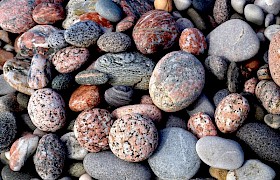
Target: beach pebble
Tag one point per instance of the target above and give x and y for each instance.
(200, 124)
(263, 73)
(136, 8)
(272, 6)
(39, 74)
(192, 41)
(219, 95)
(225, 41)
(196, 18)
(85, 177)
(250, 85)
(233, 77)
(118, 96)
(91, 77)
(252, 169)
(154, 31)
(273, 57)
(125, 24)
(9, 103)
(175, 157)
(219, 152)
(70, 59)
(176, 71)
(105, 165)
(73, 149)
(8, 174)
(56, 39)
(5, 56)
(46, 109)
(217, 65)
(271, 30)
(22, 149)
(133, 138)
(62, 82)
(92, 129)
(174, 120)
(146, 99)
(269, 20)
(165, 5)
(254, 14)
(238, 5)
(219, 174)
(85, 97)
(76, 169)
(109, 10)
(272, 120)
(148, 110)
(182, 4)
(114, 42)
(231, 112)
(8, 130)
(183, 23)
(221, 11)
(49, 157)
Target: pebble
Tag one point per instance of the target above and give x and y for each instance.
(127, 69)
(146, 99)
(203, 6)
(254, 14)
(221, 11)
(272, 120)
(249, 67)
(4, 36)
(46, 109)
(175, 121)
(73, 149)
(238, 5)
(22, 149)
(271, 30)
(200, 124)
(273, 57)
(268, 93)
(192, 41)
(114, 42)
(217, 65)
(105, 165)
(92, 129)
(118, 96)
(85, 97)
(182, 5)
(136, 8)
(219, 152)
(8, 174)
(155, 31)
(263, 140)
(183, 23)
(234, 40)
(175, 157)
(85, 177)
(56, 39)
(4, 56)
(126, 24)
(8, 130)
(62, 82)
(76, 169)
(231, 112)
(5, 87)
(109, 10)
(272, 6)
(39, 74)
(49, 157)
(219, 95)
(263, 73)
(16, 73)
(269, 20)
(91, 77)
(252, 169)
(176, 71)
(219, 174)
(165, 5)
(48, 13)
(233, 78)
(133, 138)
(250, 85)
(147, 110)
(196, 18)
(9, 103)
(70, 59)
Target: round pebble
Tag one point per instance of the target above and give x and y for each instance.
(182, 4)
(133, 138)
(254, 14)
(165, 5)
(238, 5)
(272, 120)
(271, 30)
(91, 77)
(8, 130)
(118, 96)
(221, 11)
(56, 39)
(114, 42)
(217, 65)
(109, 10)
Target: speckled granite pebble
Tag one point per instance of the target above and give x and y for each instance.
(46, 109)
(83, 34)
(273, 57)
(218, 66)
(91, 77)
(272, 120)
(118, 95)
(146, 99)
(56, 39)
(49, 157)
(133, 137)
(114, 42)
(92, 129)
(250, 85)
(125, 24)
(176, 71)
(8, 130)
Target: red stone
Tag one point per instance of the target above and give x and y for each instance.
(125, 24)
(95, 17)
(5, 56)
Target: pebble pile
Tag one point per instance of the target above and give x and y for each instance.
(139, 89)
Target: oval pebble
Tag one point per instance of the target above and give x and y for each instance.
(217, 65)
(233, 77)
(254, 14)
(221, 11)
(272, 120)
(126, 24)
(118, 95)
(238, 5)
(91, 77)
(133, 138)
(56, 39)
(114, 42)
(271, 30)
(8, 130)
(109, 10)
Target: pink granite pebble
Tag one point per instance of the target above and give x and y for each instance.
(46, 109)
(92, 129)
(126, 24)
(146, 99)
(200, 124)
(231, 113)
(133, 138)
(250, 85)
(273, 58)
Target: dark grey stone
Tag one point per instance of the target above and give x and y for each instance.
(9, 103)
(62, 82)
(8, 130)
(183, 23)
(176, 121)
(26, 119)
(118, 96)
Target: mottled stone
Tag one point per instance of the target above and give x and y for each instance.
(250, 85)
(133, 138)
(4, 36)
(183, 23)
(92, 129)
(127, 68)
(154, 31)
(8, 130)
(114, 42)
(219, 174)
(219, 152)
(46, 109)
(49, 157)
(175, 157)
(272, 6)
(5, 56)
(125, 24)
(263, 73)
(176, 71)
(109, 10)
(104, 24)
(76, 169)
(272, 120)
(165, 5)
(70, 59)
(56, 39)
(254, 14)
(86, 177)
(118, 96)
(234, 40)
(91, 77)
(273, 57)
(218, 66)
(62, 82)
(221, 11)
(84, 97)
(136, 7)
(233, 77)
(271, 30)
(182, 4)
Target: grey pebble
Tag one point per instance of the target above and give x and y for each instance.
(183, 23)
(217, 66)
(8, 130)
(182, 4)
(91, 77)
(269, 20)
(271, 30)
(238, 5)
(9, 103)
(22, 99)
(56, 39)
(114, 42)
(272, 6)
(5, 87)
(233, 77)
(62, 82)
(118, 96)
(254, 14)
(109, 10)
(220, 95)
(272, 120)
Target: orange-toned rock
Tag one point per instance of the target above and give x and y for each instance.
(105, 25)
(84, 97)
(165, 5)
(148, 110)
(4, 56)
(250, 66)
(274, 58)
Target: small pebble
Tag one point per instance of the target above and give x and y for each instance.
(182, 4)
(271, 30)
(272, 6)
(219, 174)
(146, 99)
(56, 39)
(76, 169)
(165, 5)
(233, 78)
(62, 82)
(221, 94)
(175, 121)
(217, 66)
(254, 14)
(118, 96)
(9, 103)
(250, 85)
(238, 5)
(109, 10)
(221, 11)
(263, 73)
(114, 42)
(272, 120)
(197, 19)
(183, 23)
(125, 24)
(85, 177)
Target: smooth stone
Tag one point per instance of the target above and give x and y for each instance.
(85, 177)
(272, 120)
(196, 18)
(183, 23)
(5, 86)
(221, 11)
(22, 99)
(8, 174)
(62, 82)
(254, 14)
(175, 121)
(76, 169)
(8, 130)
(73, 149)
(234, 40)
(165, 5)
(219, 174)
(238, 5)
(9, 103)
(105, 165)
(269, 20)
(91, 77)
(218, 66)
(118, 96)
(219, 152)
(272, 6)
(262, 139)
(56, 39)
(203, 6)
(114, 42)
(127, 68)
(273, 57)
(202, 104)
(252, 169)
(182, 5)
(109, 10)
(175, 157)
(271, 30)
(219, 95)
(233, 78)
